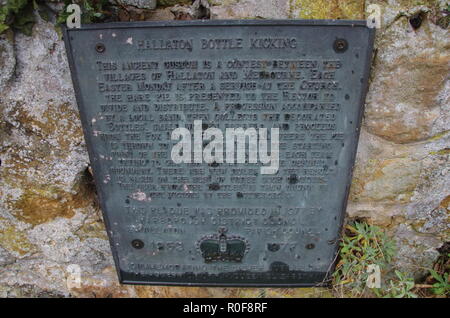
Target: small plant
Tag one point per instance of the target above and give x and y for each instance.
(442, 285)
(92, 11)
(437, 282)
(362, 245)
(400, 287)
(20, 14)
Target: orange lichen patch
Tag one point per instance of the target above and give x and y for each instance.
(412, 3)
(39, 204)
(390, 179)
(93, 227)
(313, 292)
(445, 204)
(327, 9)
(385, 215)
(13, 240)
(418, 87)
(102, 285)
(59, 122)
(105, 284)
(184, 292)
(403, 106)
(35, 166)
(49, 140)
(361, 175)
(20, 161)
(89, 289)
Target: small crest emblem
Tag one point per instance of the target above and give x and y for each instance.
(220, 247)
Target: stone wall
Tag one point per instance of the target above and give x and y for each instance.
(49, 217)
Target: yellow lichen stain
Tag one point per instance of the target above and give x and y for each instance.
(51, 138)
(223, 2)
(184, 292)
(364, 173)
(59, 122)
(13, 240)
(101, 285)
(438, 136)
(413, 3)
(202, 292)
(413, 79)
(445, 204)
(92, 228)
(92, 289)
(40, 203)
(378, 172)
(311, 292)
(169, 3)
(441, 152)
(327, 9)
(423, 83)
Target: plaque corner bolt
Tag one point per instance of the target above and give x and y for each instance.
(340, 45)
(137, 244)
(100, 47)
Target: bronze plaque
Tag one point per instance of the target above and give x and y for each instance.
(222, 151)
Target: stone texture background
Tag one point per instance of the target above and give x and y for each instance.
(49, 218)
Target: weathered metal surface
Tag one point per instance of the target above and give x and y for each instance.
(218, 223)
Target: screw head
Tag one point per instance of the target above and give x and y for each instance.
(310, 246)
(340, 45)
(100, 47)
(137, 244)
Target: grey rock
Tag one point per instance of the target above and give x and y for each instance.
(142, 4)
(7, 60)
(33, 278)
(201, 9)
(41, 87)
(416, 252)
(5, 257)
(269, 9)
(160, 15)
(409, 96)
(59, 243)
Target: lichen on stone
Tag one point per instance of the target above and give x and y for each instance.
(170, 3)
(13, 240)
(390, 179)
(41, 204)
(327, 9)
